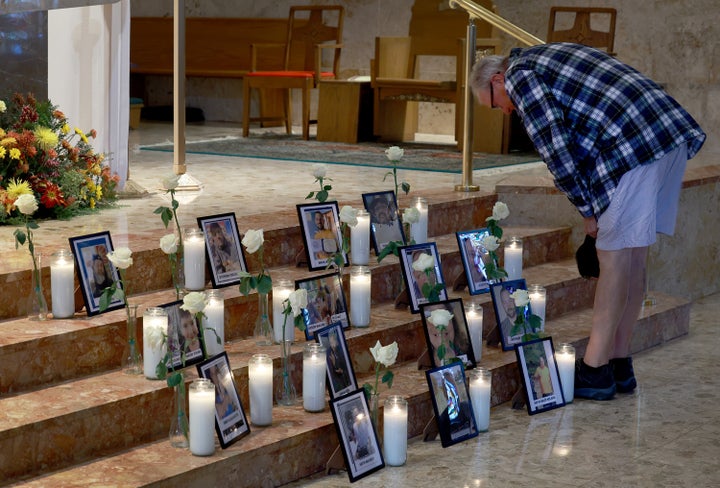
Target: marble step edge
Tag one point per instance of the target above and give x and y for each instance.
(315, 432)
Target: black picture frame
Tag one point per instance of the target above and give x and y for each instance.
(181, 352)
(230, 420)
(91, 262)
(385, 223)
(326, 303)
(474, 259)
(340, 373)
(543, 390)
(358, 439)
(456, 336)
(451, 402)
(415, 279)
(223, 250)
(320, 227)
(506, 312)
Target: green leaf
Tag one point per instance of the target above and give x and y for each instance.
(368, 390)
(245, 287)
(299, 322)
(388, 378)
(327, 187)
(106, 297)
(174, 379)
(441, 352)
(390, 248)
(19, 237)
(322, 196)
(32, 225)
(405, 187)
(264, 284)
(161, 370)
(310, 195)
(389, 173)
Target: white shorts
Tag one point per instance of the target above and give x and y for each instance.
(645, 202)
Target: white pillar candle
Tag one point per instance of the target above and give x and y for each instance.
(480, 394)
(360, 240)
(314, 373)
(419, 230)
(538, 299)
(214, 323)
(155, 326)
(565, 357)
(280, 292)
(360, 300)
(260, 386)
(202, 417)
(474, 317)
(514, 258)
(395, 425)
(62, 284)
(194, 259)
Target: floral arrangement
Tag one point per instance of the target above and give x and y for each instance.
(171, 244)
(319, 171)
(440, 318)
(426, 264)
(122, 259)
(384, 356)
(491, 242)
(27, 205)
(254, 242)
(348, 218)
(40, 152)
(527, 324)
(394, 155)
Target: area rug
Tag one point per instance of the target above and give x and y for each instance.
(418, 156)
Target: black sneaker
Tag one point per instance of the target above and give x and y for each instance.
(594, 383)
(624, 374)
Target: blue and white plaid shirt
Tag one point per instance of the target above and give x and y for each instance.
(593, 118)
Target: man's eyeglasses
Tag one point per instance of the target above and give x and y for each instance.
(492, 96)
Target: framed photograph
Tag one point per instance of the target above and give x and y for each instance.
(385, 223)
(326, 303)
(451, 343)
(94, 269)
(340, 374)
(451, 402)
(359, 442)
(506, 312)
(536, 362)
(230, 421)
(415, 280)
(185, 343)
(223, 249)
(475, 259)
(320, 224)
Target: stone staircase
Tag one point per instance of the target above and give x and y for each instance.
(69, 417)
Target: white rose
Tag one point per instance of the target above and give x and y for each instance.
(489, 242)
(349, 215)
(26, 204)
(121, 258)
(425, 261)
(385, 354)
(521, 297)
(171, 182)
(411, 215)
(394, 153)
(169, 243)
(3, 107)
(194, 302)
(440, 317)
(298, 301)
(319, 170)
(500, 211)
(253, 240)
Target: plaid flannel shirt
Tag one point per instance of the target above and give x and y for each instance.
(593, 118)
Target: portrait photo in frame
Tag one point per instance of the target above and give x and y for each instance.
(358, 440)
(536, 363)
(415, 280)
(320, 225)
(222, 248)
(475, 259)
(340, 373)
(385, 223)
(450, 344)
(325, 303)
(95, 271)
(451, 403)
(230, 421)
(185, 343)
(506, 312)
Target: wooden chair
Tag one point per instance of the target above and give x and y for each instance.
(311, 30)
(581, 31)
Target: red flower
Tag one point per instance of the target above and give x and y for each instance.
(50, 195)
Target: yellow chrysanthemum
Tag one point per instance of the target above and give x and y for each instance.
(2, 152)
(3, 107)
(15, 153)
(84, 138)
(46, 138)
(92, 202)
(8, 141)
(65, 129)
(2, 132)
(98, 192)
(78, 131)
(16, 188)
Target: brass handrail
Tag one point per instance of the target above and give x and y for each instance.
(477, 11)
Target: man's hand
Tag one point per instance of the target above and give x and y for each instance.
(591, 227)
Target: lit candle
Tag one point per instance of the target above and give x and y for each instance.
(214, 322)
(62, 284)
(194, 258)
(514, 258)
(538, 299)
(565, 357)
(260, 386)
(480, 392)
(395, 425)
(360, 285)
(474, 317)
(360, 239)
(419, 230)
(314, 372)
(280, 292)
(202, 417)
(155, 326)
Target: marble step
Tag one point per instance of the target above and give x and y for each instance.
(295, 445)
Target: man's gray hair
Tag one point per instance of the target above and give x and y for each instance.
(484, 69)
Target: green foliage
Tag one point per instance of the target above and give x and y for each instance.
(392, 247)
